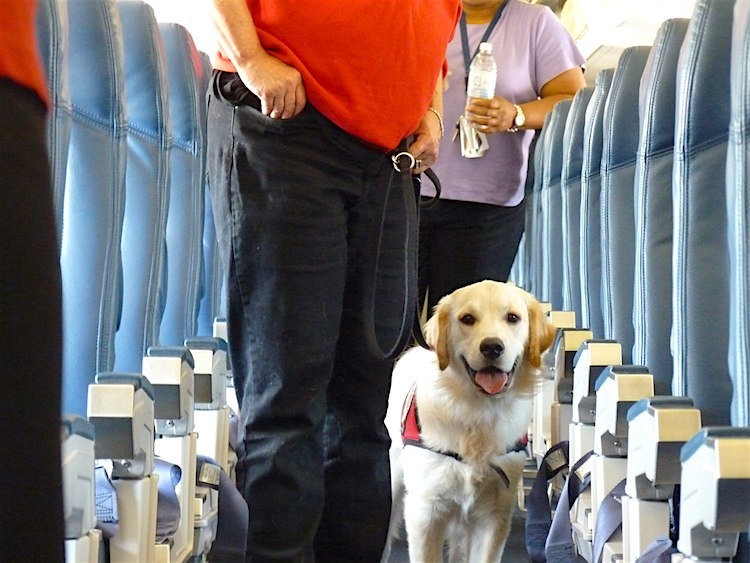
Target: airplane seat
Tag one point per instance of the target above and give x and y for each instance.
(121, 410)
(700, 287)
(549, 263)
(212, 299)
(551, 204)
(187, 88)
(620, 141)
(658, 427)
(570, 181)
(617, 389)
(146, 184)
(171, 372)
(82, 538)
(715, 485)
(52, 43)
(738, 207)
(94, 198)
(519, 270)
(590, 241)
(532, 229)
(652, 305)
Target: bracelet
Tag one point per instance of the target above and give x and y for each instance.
(440, 120)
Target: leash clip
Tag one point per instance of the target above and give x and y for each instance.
(396, 158)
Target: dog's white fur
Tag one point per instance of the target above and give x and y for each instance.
(465, 503)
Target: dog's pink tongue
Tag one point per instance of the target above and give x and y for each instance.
(492, 381)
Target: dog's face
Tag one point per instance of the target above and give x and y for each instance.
(491, 332)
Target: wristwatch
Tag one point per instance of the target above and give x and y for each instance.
(519, 120)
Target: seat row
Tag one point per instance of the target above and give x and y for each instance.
(636, 227)
(146, 423)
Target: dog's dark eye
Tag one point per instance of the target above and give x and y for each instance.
(512, 318)
(468, 319)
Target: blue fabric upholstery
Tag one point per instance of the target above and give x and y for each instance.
(570, 181)
(700, 298)
(738, 206)
(187, 88)
(147, 184)
(590, 253)
(620, 142)
(52, 43)
(212, 302)
(551, 202)
(94, 198)
(519, 272)
(532, 228)
(652, 305)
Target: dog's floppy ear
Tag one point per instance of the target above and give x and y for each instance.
(436, 333)
(541, 332)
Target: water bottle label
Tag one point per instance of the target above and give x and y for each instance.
(482, 84)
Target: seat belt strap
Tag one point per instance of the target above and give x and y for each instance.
(538, 510)
(608, 519)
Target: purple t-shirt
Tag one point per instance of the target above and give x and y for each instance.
(531, 47)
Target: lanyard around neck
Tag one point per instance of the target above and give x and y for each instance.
(465, 38)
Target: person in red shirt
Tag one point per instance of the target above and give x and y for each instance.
(308, 102)
(31, 523)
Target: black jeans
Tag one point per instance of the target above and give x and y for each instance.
(31, 313)
(462, 242)
(297, 203)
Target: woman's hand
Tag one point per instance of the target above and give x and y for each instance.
(491, 115)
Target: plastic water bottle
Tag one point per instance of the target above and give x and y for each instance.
(482, 74)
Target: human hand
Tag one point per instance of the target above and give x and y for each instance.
(278, 85)
(491, 115)
(426, 145)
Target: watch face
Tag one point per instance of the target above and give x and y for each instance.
(520, 117)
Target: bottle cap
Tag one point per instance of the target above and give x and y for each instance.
(485, 47)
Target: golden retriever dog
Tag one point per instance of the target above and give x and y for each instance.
(470, 400)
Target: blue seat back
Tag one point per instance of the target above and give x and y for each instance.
(212, 300)
(94, 198)
(551, 203)
(652, 304)
(532, 227)
(570, 182)
(738, 206)
(620, 142)
(147, 184)
(187, 90)
(700, 298)
(52, 42)
(519, 272)
(590, 253)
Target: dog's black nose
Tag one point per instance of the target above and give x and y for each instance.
(491, 348)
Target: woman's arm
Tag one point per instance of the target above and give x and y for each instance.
(497, 114)
(278, 85)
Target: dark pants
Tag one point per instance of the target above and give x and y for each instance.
(297, 203)
(462, 242)
(30, 309)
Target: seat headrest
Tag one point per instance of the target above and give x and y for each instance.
(145, 67)
(95, 63)
(187, 86)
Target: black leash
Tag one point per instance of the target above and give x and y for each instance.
(403, 163)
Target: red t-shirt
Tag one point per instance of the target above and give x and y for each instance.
(19, 59)
(368, 66)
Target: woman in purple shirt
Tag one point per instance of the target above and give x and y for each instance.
(473, 232)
